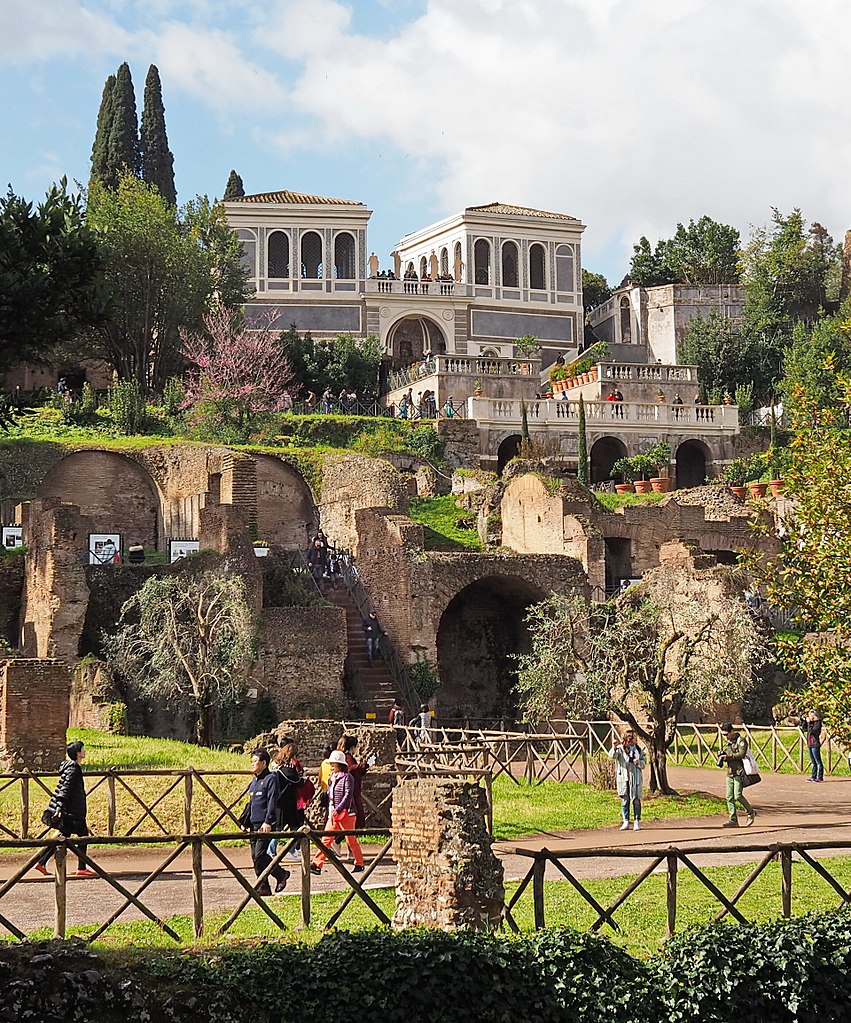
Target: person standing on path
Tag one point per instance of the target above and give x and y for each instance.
(630, 760)
(262, 814)
(732, 755)
(343, 817)
(68, 806)
(811, 727)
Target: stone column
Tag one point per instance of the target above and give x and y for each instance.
(448, 877)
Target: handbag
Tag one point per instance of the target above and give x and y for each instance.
(305, 792)
(752, 775)
(52, 818)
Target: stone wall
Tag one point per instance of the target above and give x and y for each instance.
(34, 706)
(353, 482)
(301, 656)
(461, 442)
(11, 594)
(447, 874)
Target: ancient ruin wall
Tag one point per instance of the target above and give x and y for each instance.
(353, 482)
(447, 876)
(34, 709)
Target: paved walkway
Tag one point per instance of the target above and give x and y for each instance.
(789, 809)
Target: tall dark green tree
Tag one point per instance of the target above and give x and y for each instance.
(100, 148)
(123, 152)
(582, 456)
(234, 189)
(50, 275)
(157, 161)
(702, 254)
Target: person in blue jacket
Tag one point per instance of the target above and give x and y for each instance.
(263, 796)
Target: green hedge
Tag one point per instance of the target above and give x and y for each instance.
(789, 971)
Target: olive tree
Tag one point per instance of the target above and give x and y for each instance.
(188, 639)
(643, 657)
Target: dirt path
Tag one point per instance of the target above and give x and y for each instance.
(789, 809)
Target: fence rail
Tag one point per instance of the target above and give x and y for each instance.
(176, 845)
(670, 859)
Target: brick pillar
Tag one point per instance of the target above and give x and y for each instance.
(447, 877)
(239, 486)
(35, 702)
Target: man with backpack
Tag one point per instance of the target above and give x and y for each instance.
(397, 718)
(733, 756)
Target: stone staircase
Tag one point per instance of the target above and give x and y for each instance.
(378, 690)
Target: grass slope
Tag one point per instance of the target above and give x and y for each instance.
(438, 517)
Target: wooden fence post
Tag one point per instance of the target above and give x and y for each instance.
(489, 797)
(60, 890)
(584, 766)
(530, 763)
(786, 882)
(111, 807)
(538, 870)
(197, 888)
(304, 849)
(187, 802)
(25, 806)
(671, 925)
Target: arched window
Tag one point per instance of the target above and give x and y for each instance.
(626, 321)
(537, 268)
(344, 257)
(249, 250)
(457, 262)
(510, 261)
(279, 255)
(565, 268)
(409, 269)
(482, 261)
(423, 267)
(444, 262)
(311, 256)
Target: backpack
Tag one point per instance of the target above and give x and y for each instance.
(305, 792)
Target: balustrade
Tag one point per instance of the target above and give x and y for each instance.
(615, 413)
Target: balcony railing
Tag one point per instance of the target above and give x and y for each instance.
(655, 373)
(413, 286)
(614, 414)
(460, 364)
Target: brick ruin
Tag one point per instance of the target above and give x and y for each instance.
(447, 876)
(34, 700)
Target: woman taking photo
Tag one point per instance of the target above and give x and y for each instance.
(630, 760)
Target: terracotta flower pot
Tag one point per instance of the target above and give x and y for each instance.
(740, 492)
(594, 372)
(777, 487)
(758, 489)
(642, 486)
(624, 488)
(660, 484)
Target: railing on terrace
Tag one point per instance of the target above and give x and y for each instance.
(425, 410)
(617, 414)
(477, 366)
(446, 288)
(654, 372)
(670, 860)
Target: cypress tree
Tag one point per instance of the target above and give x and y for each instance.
(582, 456)
(156, 158)
(524, 430)
(124, 133)
(234, 189)
(100, 148)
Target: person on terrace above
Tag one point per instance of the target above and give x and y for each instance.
(677, 400)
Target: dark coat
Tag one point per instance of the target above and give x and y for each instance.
(70, 794)
(289, 778)
(263, 798)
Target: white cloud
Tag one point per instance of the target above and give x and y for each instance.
(44, 29)
(631, 116)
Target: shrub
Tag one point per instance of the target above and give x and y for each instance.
(173, 394)
(424, 678)
(127, 406)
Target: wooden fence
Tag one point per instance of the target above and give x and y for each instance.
(221, 847)
(671, 859)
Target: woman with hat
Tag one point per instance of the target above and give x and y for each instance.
(342, 812)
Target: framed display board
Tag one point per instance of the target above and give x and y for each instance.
(104, 548)
(13, 536)
(178, 549)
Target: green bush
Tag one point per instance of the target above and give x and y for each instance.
(127, 405)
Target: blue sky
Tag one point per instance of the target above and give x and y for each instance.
(631, 116)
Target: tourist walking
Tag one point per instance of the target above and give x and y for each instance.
(423, 722)
(811, 727)
(67, 809)
(357, 769)
(372, 633)
(262, 816)
(630, 760)
(397, 718)
(291, 795)
(732, 756)
(342, 812)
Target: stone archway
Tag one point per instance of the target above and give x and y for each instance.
(479, 633)
(508, 449)
(693, 457)
(116, 493)
(604, 453)
(285, 507)
(410, 338)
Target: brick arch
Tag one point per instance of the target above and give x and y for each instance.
(286, 511)
(112, 490)
(693, 460)
(481, 630)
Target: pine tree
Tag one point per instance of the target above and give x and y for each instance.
(100, 148)
(124, 132)
(582, 457)
(234, 189)
(157, 162)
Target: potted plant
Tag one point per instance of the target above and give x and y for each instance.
(527, 347)
(735, 475)
(477, 389)
(642, 465)
(261, 548)
(660, 455)
(623, 468)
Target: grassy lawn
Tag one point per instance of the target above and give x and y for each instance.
(780, 752)
(611, 502)
(641, 919)
(521, 810)
(438, 516)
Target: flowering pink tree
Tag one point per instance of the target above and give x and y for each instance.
(240, 377)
